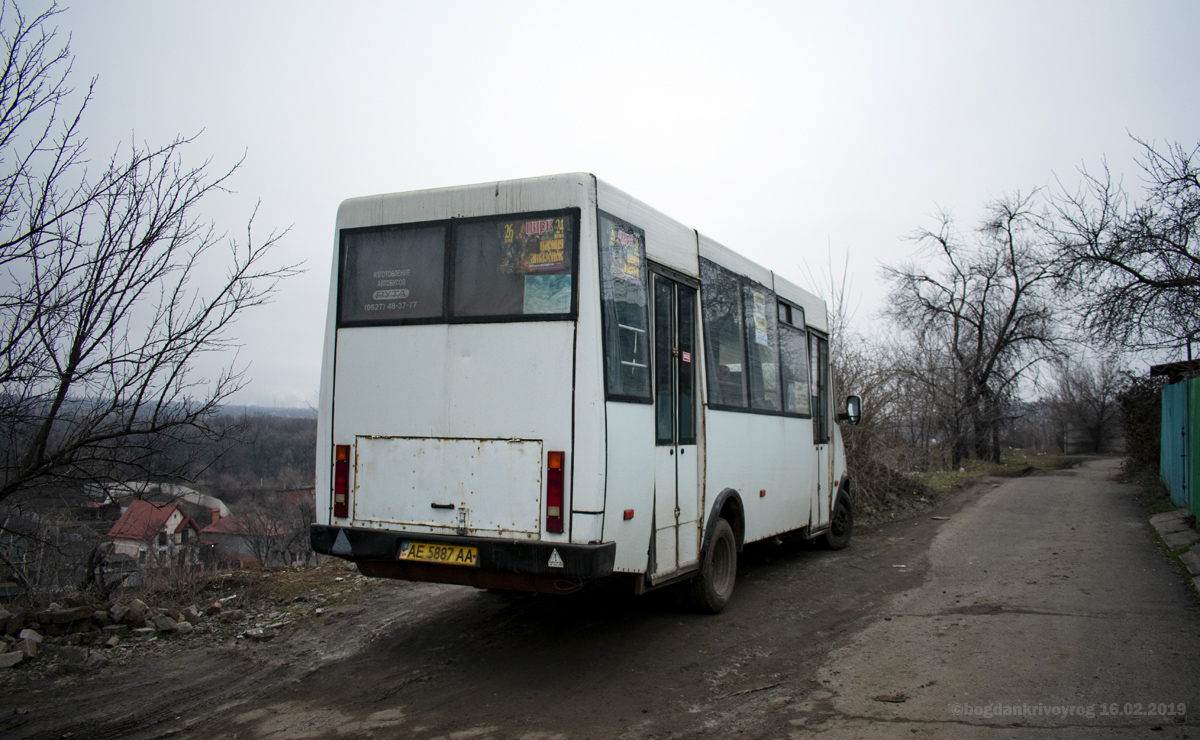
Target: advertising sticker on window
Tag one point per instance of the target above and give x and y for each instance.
(547, 294)
(760, 318)
(624, 249)
(533, 246)
(799, 397)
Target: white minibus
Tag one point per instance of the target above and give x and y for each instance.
(539, 383)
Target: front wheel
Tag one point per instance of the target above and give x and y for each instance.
(709, 591)
(841, 524)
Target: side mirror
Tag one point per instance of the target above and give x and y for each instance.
(853, 410)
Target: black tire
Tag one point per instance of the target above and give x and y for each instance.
(709, 591)
(841, 524)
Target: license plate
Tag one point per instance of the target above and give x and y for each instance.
(428, 552)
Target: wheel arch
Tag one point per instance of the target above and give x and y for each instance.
(728, 506)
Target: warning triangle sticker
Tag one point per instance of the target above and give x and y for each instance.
(341, 546)
(555, 560)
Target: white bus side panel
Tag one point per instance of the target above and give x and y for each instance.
(324, 477)
(751, 453)
(630, 484)
(731, 260)
(668, 242)
(587, 502)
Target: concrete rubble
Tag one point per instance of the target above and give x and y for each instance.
(164, 623)
(79, 632)
(88, 632)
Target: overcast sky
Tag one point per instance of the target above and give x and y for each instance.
(787, 131)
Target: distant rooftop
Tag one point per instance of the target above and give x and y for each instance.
(143, 520)
(1176, 371)
(172, 491)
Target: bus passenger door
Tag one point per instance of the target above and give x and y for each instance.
(677, 465)
(818, 348)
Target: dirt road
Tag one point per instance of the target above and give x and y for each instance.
(1041, 607)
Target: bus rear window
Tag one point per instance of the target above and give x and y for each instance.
(507, 268)
(392, 274)
(513, 267)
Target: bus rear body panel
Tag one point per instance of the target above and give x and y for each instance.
(489, 487)
(455, 416)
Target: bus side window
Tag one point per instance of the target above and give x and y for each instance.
(724, 345)
(762, 334)
(625, 309)
(793, 355)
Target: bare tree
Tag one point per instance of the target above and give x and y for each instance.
(1135, 267)
(262, 537)
(857, 367)
(979, 321)
(1039, 427)
(1141, 416)
(1085, 399)
(107, 290)
(295, 520)
(881, 452)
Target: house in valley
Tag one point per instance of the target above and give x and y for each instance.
(156, 535)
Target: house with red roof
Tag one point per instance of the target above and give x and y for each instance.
(155, 534)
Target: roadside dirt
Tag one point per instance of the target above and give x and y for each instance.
(432, 661)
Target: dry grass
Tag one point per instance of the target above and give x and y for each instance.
(894, 494)
(332, 584)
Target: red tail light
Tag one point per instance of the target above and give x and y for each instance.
(554, 492)
(341, 481)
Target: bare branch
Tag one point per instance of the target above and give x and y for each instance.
(107, 295)
(979, 315)
(1134, 268)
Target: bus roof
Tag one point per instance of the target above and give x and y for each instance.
(668, 241)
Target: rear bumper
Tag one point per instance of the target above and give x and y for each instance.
(377, 550)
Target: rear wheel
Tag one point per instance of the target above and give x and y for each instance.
(841, 524)
(709, 591)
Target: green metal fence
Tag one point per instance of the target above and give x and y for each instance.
(1179, 459)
